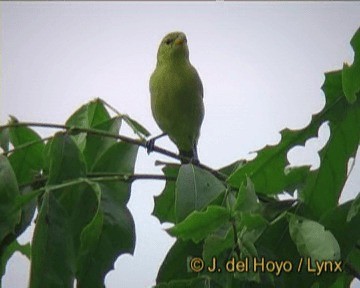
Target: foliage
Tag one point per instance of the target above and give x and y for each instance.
(76, 185)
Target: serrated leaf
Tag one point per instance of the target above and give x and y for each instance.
(267, 170)
(164, 208)
(26, 162)
(324, 185)
(195, 189)
(52, 260)
(87, 116)
(198, 225)
(112, 230)
(312, 240)
(351, 73)
(9, 193)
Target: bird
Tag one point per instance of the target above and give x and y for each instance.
(176, 94)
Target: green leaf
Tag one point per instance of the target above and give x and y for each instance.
(275, 244)
(4, 139)
(231, 168)
(201, 282)
(198, 225)
(176, 263)
(351, 74)
(66, 160)
(96, 145)
(120, 159)
(111, 232)
(267, 170)
(87, 116)
(344, 231)
(354, 208)
(195, 189)
(135, 126)
(164, 208)
(26, 162)
(323, 186)
(312, 240)
(9, 251)
(9, 193)
(247, 200)
(217, 243)
(52, 255)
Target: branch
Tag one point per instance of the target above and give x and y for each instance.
(107, 177)
(141, 143)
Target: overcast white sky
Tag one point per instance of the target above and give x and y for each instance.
(261, 64)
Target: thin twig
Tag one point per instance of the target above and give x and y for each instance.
(141, 143)
(28, 144)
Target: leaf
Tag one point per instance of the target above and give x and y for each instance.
(9, 251)
(267, 170)
(52, 261)
(164, 208)
(231, 168)
(323, 187)
(66, 160)
(26, 162)
(96, 145)
(4, 139)
(111, 232)
(217, 243)
(351, 74)
(195, 189)
(312, 240)
(9, 193)
(247, 200)
(176, 263)
(135, 126)
(344, 231)
(87, 116)
(201, 282)
(276, 244)
(120, 159)
(198, 225)
(354, 208)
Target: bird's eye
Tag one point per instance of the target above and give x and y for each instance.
(167, 41)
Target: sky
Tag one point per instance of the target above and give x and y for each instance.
(262, 65)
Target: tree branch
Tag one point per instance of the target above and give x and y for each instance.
(141, 143)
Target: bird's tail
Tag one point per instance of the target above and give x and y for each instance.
(191, 154)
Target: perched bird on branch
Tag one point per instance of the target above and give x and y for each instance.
(177, 96)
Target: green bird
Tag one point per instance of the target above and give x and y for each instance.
(177, 95)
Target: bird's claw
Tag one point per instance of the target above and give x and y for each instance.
(150, 145)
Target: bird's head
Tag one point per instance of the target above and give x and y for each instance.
(173, 47)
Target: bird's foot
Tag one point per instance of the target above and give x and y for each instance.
(150, 145)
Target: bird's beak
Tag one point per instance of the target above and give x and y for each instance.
(179, 41)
